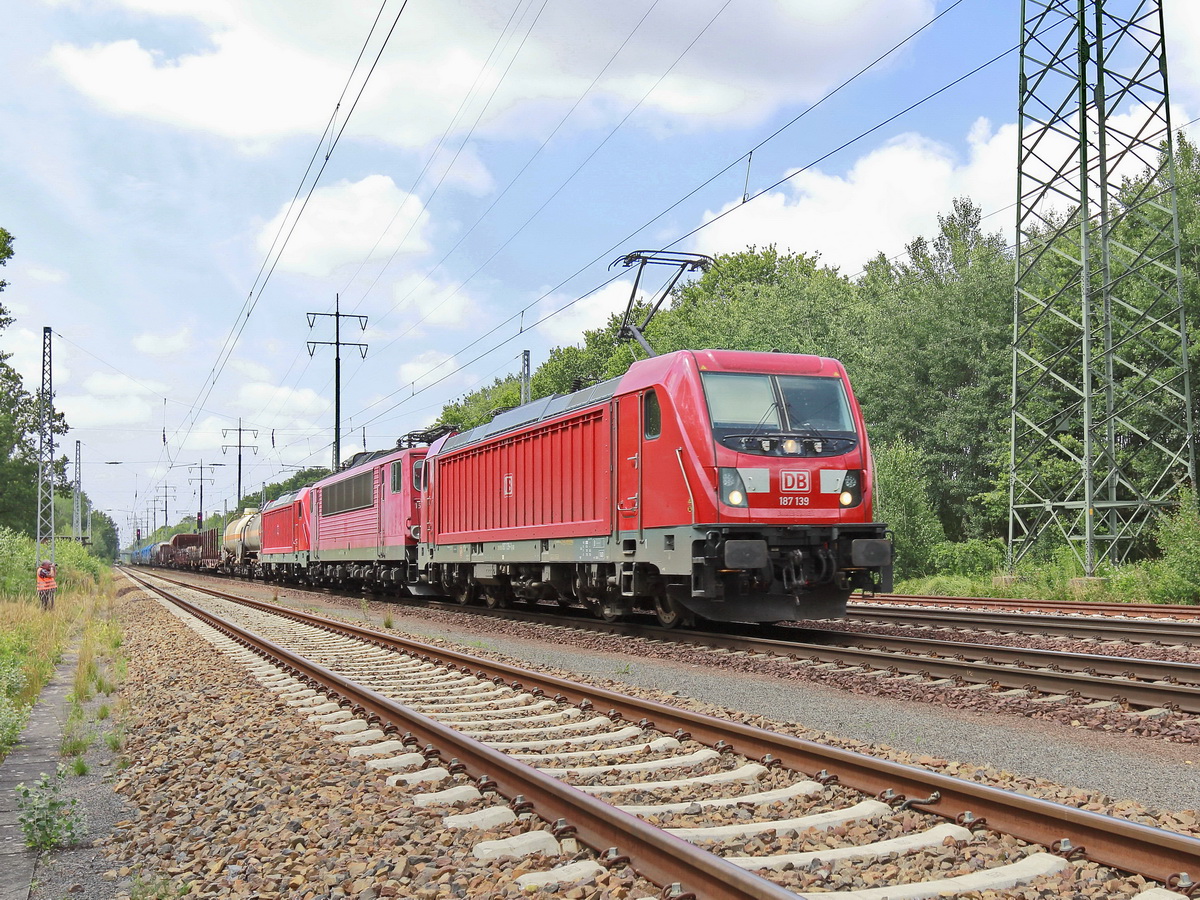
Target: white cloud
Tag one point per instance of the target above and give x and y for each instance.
(117, 384)
(269, 71)
(888, 197)
(25, 345)
(46, 274)
(593, 311)
(1182, 24)
(248, 88)
(432, 304)
(349, 222)
(164, 344)
(103, 411)
(279, 399)
(251, 369)
(426, 368)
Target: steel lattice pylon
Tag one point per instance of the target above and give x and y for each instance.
(45, 511)
(1101, 436)
(77, 508)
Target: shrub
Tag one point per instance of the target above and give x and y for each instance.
(902, 500)
(13, 716)
(47, 820)
(973, 558)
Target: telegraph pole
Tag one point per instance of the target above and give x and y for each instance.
(45, 513)
(164, 497)
(337, 345)
(201, 479)
(239, 445)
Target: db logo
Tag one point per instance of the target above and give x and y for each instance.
(508, 485)
(796, 482)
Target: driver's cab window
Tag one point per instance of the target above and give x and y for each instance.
(651, 415)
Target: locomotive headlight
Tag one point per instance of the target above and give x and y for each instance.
(852, 488)
(732, 488)
(791, 446)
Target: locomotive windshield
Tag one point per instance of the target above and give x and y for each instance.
(779, 415)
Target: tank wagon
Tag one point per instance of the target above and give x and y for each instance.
(241, 543)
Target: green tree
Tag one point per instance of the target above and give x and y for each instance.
(903, 502)
(762, 300)
(936, 363)
(19, 433)
(481, 405)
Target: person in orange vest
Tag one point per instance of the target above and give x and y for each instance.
(46, 584)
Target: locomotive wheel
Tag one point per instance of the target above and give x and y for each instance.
(464, 593)
(609, 612)
(495, 597)
(670, 613)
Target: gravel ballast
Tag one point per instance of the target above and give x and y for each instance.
(186, 803)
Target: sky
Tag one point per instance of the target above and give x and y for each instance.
(187, 180)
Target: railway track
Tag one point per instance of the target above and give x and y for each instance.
(696, 804)
(1047, 674)
(1096, 627)
(1081, 607)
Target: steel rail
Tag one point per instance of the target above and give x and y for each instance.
(1099, 608)
(1130, 846)
(1113, 677)
(1149, 684)
(652, 852)
(1146, 683)
(1034, 623)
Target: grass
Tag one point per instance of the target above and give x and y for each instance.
(32, 644)
(114, 740)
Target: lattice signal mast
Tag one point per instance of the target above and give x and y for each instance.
(45, 510)
(1102, 430)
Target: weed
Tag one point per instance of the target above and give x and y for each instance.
(13, 716)
(388, 621)
(79, 766)
(624, 669)
(155, 889)
(113, 740)
(47, 820)
(75, 743)
(103, 712)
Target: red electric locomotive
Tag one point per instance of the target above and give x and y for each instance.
(285, 535)
(357, 526)
(731, 485)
